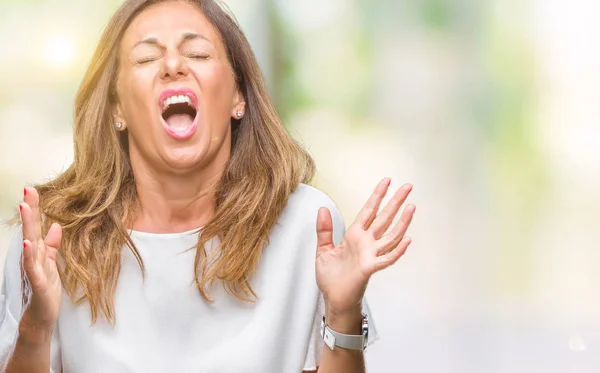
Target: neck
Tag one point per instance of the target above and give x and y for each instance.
(172, 203)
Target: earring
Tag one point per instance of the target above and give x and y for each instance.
(239, 114)
(119, 125)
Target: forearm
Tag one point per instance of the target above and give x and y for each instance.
(32, 350)
(341, 360)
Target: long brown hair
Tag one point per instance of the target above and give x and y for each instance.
(92, 198)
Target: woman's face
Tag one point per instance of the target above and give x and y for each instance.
(176, 90)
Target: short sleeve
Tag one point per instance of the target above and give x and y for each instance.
(11, 298)
(315, 344)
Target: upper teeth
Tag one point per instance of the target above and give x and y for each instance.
(176, 100)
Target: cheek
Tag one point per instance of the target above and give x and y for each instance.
(218, 86)
(134, 94)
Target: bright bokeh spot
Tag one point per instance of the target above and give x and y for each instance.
(60, 50)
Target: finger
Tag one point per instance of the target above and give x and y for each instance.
(383, 221)
(30, 264)
(52, 240)
(369, 211)
(324, 230)
(391, 240)
(32, 198)
(28, 226)
(392, 257)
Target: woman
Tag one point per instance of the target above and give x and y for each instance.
(182, 238)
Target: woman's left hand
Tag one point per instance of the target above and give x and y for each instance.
(343, 271)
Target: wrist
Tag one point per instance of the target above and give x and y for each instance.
(32, 334)
(347, 322)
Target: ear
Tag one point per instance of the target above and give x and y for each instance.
(118, 120)
(238, 106)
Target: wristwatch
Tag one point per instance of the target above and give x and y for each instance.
(347, 341)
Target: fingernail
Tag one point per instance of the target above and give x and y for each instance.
(24, 244)
(24, 192)
(20, 208)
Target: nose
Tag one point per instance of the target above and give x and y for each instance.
(174, 67)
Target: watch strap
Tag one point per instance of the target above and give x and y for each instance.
(347, 341)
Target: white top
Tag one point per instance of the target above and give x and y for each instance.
(164, 325)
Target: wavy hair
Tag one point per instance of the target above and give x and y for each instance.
(93, 199)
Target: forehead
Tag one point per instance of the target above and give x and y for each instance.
(169, 20)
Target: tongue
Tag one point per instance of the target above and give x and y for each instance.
(179, 122)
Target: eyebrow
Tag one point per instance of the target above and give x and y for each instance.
(185, 37)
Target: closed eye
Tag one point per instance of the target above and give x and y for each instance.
(198, 56)
(145, 60)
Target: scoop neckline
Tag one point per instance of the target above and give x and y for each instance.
(133, 232)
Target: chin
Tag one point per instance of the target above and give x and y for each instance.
(186, 160)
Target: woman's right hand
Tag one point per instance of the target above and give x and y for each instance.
(39, 262)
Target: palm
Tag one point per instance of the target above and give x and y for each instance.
(343, 271)
(39, 262)
(46, 290)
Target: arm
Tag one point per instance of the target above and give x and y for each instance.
(32, 347)
(32, 350)
(344, 270)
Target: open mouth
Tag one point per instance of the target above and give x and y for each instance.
(179, 113)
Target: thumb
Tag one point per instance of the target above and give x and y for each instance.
(324, 230)
(53, 239)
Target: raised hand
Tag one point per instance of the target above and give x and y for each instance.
(343, 271)
(39, 262)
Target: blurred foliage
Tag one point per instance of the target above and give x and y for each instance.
(518, 174)
(436, 14)
(360, 100)
(344, 80)
(287, 93)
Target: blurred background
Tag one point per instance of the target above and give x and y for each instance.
(490, 108)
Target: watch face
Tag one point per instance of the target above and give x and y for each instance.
(365, 331)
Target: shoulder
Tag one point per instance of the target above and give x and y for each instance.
(302, 208)
(308, 199)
